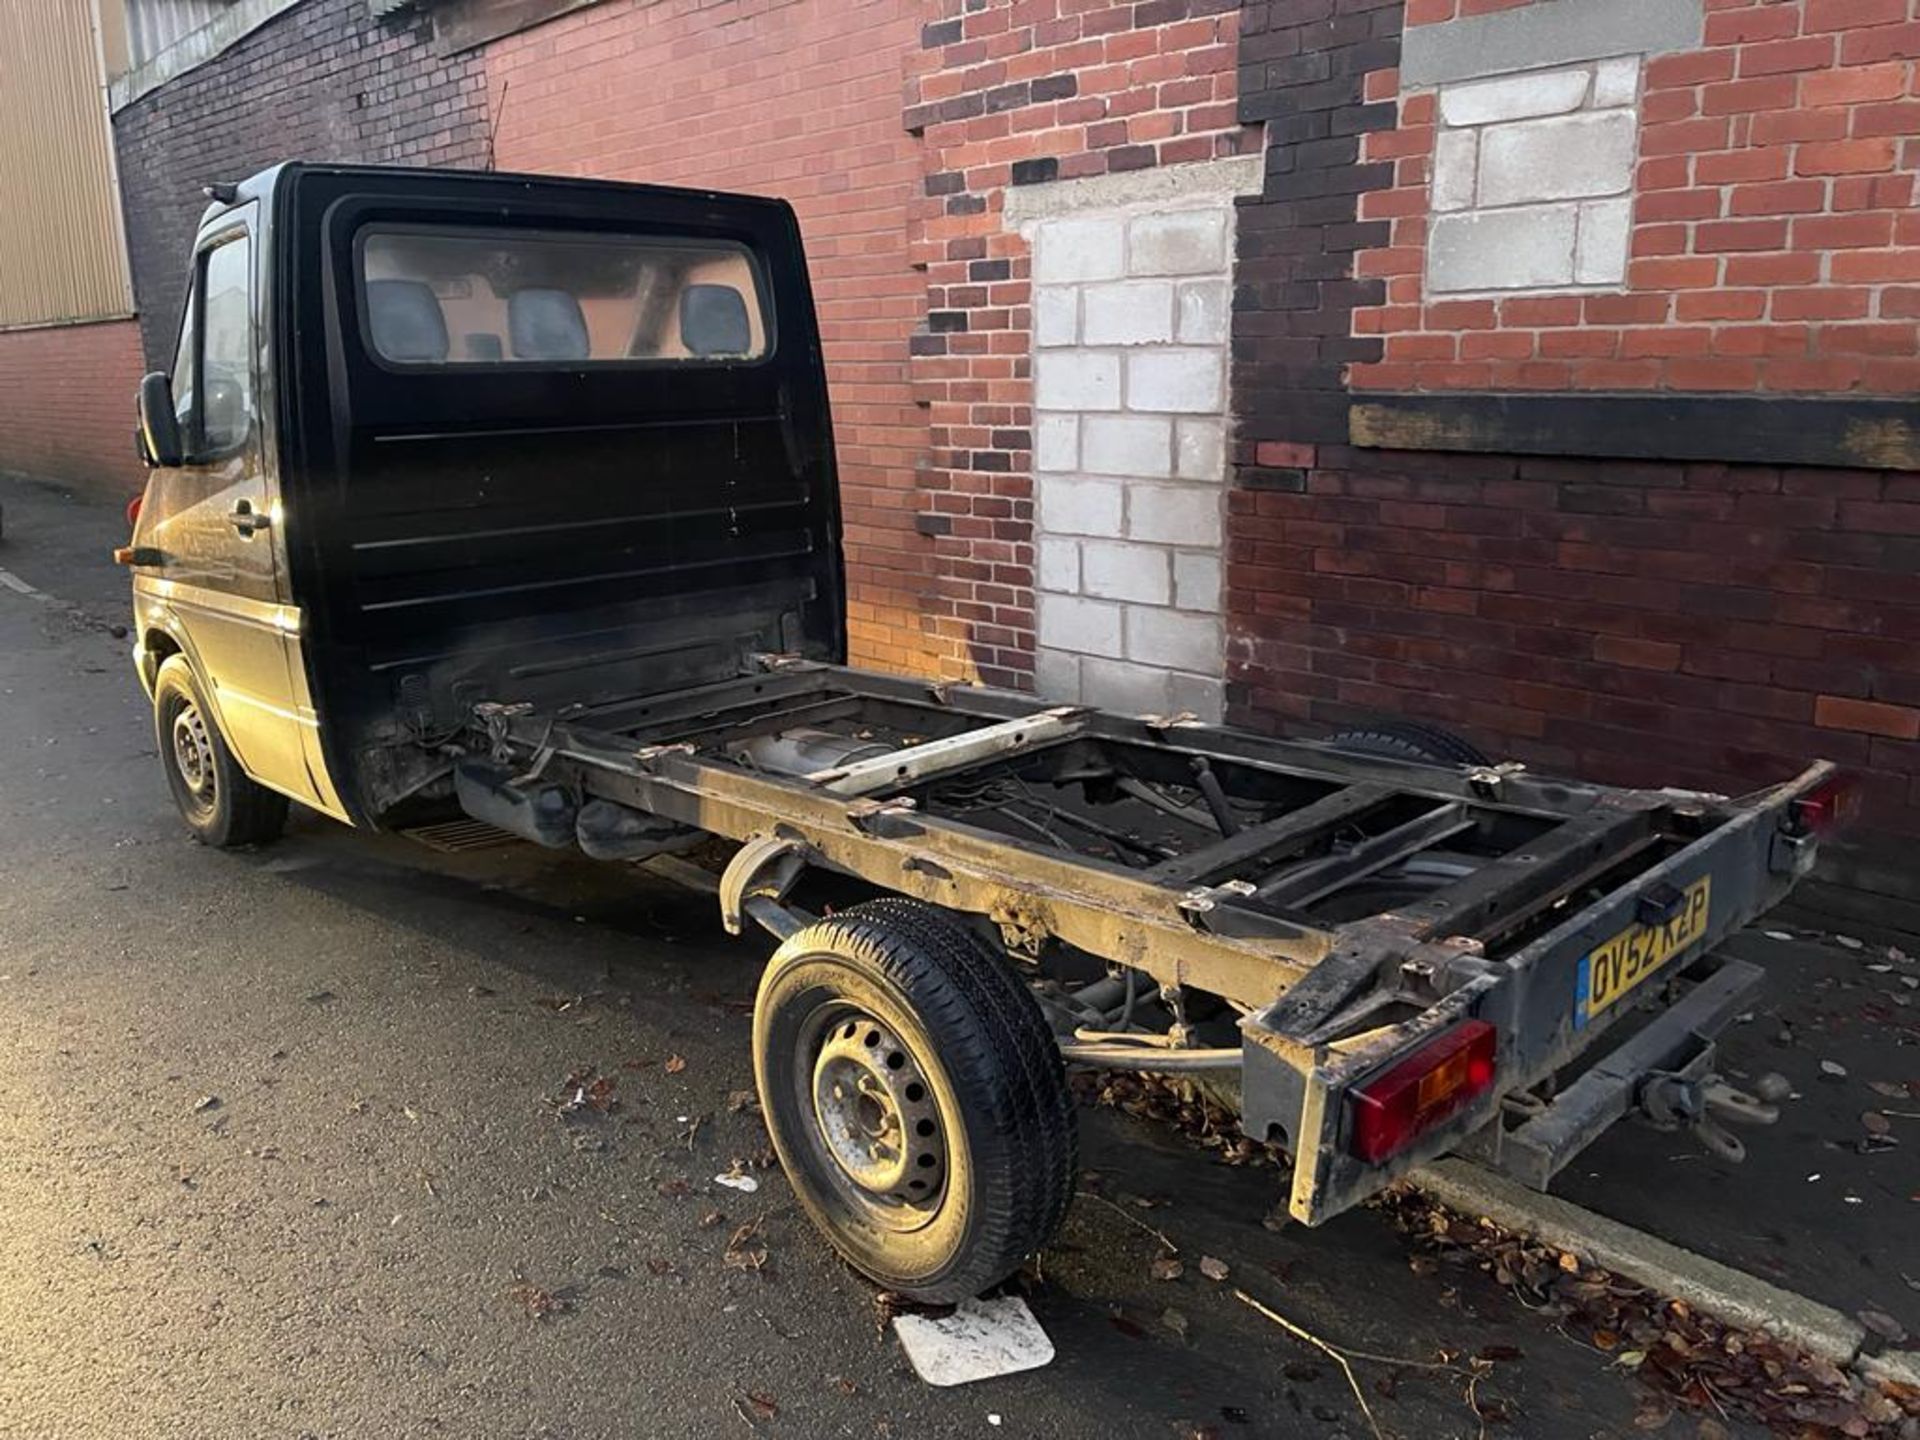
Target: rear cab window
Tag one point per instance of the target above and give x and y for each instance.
(446, 296)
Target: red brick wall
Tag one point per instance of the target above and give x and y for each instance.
(922, 291)
(1706, 625)
(1775, 246)
(69, 408)
(1014, 93)
(795, 98)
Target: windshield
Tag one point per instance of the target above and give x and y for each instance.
(446, 296)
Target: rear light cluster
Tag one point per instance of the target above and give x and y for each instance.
(1435, 1082)
(1827, 806)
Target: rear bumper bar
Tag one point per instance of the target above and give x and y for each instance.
(1302, 1063)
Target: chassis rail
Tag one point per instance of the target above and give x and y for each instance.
(1327, 1003)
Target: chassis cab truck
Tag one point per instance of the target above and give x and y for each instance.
(518, 494)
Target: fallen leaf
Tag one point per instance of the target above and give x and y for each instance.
(1174, 1321)
(762, 1404)
(675, 1064)
(1847, 942)
(206, 1102)
(1166, 1267)
(1213, 1269)
(1891, 1089)
(1874, 1123)
(1882, 1324)
(1833, 1070)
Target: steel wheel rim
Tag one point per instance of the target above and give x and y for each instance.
(193, 755)
(881, 1139)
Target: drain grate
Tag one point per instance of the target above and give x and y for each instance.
(456, 837)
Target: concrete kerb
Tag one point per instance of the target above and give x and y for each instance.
(1705, 1284)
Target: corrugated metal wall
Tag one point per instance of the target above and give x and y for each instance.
(62, 256)
(153, 25)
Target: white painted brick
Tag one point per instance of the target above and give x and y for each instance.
(1180, 642)
(1193, 242)
(1132, 312)
(1617, 82)
(1056, 314)
(1073, 506)
(1056, 440)
(1196, 581)
(1513, 97)
(1204, 697)
(1056, 674)
(1525, 249)
(1174, 514)
(1076, 380)
(1129, 689)
(1203, 312)
(1058, 564)
(1127, 445)
(1181, 380)
(1080, 249)
(1454, 158)
(1573, 156)
(1087, 627)
(1123, 570)
(1601, 257)
(1200, 448)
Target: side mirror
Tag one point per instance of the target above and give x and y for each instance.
(159, 426)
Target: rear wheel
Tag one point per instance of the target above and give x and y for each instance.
(221, 805)
(916, 1098)
(1410, 740)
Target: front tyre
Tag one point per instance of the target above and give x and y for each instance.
(916, 1099)
(221, 805)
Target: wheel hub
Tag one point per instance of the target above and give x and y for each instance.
(193, 751)
(876, 1113)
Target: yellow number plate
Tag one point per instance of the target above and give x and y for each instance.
(1611, 970)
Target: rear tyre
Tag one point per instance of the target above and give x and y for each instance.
(916, 1099)
(221, 805)
(1410, 740)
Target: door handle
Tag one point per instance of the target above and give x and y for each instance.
(246, 519)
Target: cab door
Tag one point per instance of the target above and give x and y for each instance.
(221, 583)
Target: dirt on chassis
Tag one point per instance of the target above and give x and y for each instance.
(1402, 956)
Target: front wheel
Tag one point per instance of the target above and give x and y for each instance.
(916, 1099)
(220, 803)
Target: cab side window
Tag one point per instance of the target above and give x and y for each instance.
(224, 363)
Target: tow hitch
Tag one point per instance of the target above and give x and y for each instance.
(1704, 1105)
(1663, 1075)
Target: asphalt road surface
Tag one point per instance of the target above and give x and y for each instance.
(282, 1153)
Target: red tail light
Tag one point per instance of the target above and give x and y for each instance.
(1436, 1081)
(1827, 806)
(133, 509)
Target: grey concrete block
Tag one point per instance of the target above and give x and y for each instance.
(1128, 312)
(1514, 97)
(1128, 688)
(1125, 570)
(1079, 249)
(1560, 159)
(1529, 248)
(1076, 380)
(1072, 505)
(1191, 242)
(1127, 445)
(1086, 627)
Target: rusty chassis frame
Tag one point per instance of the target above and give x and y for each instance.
(1326, 1005)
